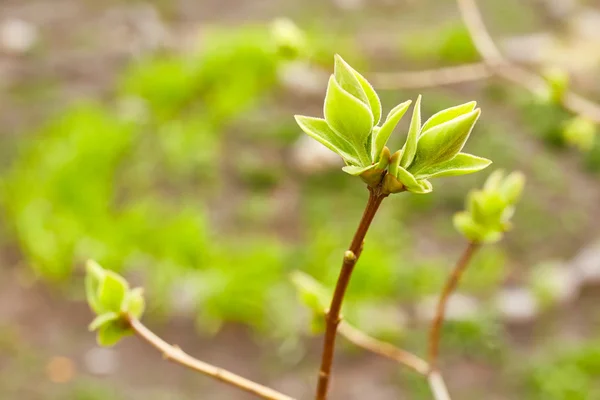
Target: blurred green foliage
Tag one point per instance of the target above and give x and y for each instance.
(566, 373)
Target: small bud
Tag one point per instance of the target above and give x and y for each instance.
(349, 256)
(110, 297)
(488, 211)
(558, 84)
(289, 39)
(580, 132)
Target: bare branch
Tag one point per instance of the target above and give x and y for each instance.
(451, 284)
(431, 77)
(176, 355)
(384, 349)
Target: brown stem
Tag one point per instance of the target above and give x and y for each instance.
(175, 354)
(451, 283)
(384, 349)
(332, 317)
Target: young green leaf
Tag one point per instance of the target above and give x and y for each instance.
(134, 303)
(109, 334)
(372, 96)
(318, 129)
(465, 225)
(349, 117)
(461, 164)
(512, 187)
(355, 170)
(494, 181)
(442, 142)
(93, 279)
(102, 320)
(112, 292)
(407, 179)
(410, 147)
(346, 77)
(383, 134)
(447, 115)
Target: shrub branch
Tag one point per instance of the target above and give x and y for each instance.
(332, 317)
(178, 356)
(451, 284)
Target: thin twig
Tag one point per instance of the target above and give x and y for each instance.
(504, 68)
(431, 77)
(175, 354)
(438, 386)
(450, 286)
(495, 64)
(383, 349)
(332, 318)
(479, 34)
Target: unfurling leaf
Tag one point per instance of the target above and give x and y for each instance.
(461, 164)
(442, 142)
(512, 187)
(447, 115)
(113, 302)
(345, 76)
(318, 129)
(109, 334)
(410, 147)
(489, 210)
(348, 117)
(383, 133)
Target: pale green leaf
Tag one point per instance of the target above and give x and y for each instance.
(318, 129)
(134, 303)
(461, 164)
(346, 77)
(469, 228)
(494, 180)
(407, 179)
(442, 142)
(109, 334)
(349, 117)
(447, 115)
(383, 134)
(112, 291)
(395, 162)
(512, 187)
(93, 278)
(103, 319)
(372, 96)
(410, 147)
(355, 170)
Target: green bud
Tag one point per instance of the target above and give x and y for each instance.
(110, 297)
(410, 147)
(489, 210)
(558, 83)
(290, 40)
(580, 132)
(512, 187)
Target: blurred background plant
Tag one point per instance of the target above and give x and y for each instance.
(158, 138)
